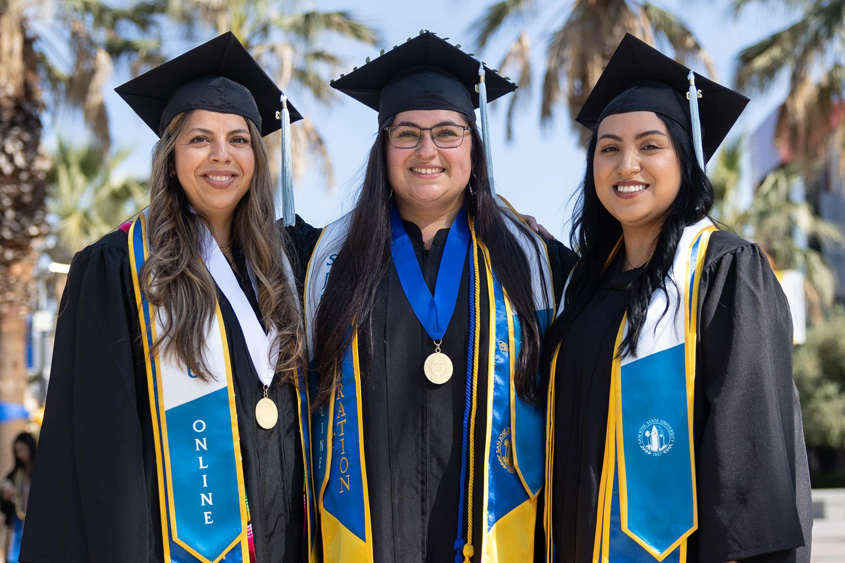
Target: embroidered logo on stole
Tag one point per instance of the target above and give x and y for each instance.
(200, 478)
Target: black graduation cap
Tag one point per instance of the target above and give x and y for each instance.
(424, 73)
(638, 77)
(219, 76)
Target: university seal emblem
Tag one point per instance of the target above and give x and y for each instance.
(504, 450)
(656, 437)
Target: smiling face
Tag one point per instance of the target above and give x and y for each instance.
(214, 162)
(427, 180)
(636, 170)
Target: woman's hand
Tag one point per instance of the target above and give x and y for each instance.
(536, 227)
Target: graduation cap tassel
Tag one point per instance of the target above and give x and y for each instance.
(286, 177)
(485, 128)
(692, 95)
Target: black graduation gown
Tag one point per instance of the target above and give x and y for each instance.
(95, 489)
(413, 428)
(752, 477)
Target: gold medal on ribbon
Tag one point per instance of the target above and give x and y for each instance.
(266, 412)
(438, 366)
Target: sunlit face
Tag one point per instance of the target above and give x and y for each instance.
(428, 178)
(214, 161)
(636, 170)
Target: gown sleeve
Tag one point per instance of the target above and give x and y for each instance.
(562, 260)
(753, 478)
(90, 500)
(303, 238)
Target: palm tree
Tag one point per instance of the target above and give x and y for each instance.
(773, 219)
(726, 176)
(27, 63)
(286, 42)
(810, 51)
(580, 45)
(23, 169)
(97, 37)
(86, 198)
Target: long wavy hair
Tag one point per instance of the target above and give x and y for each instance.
(364, 260)
(595, 232)
(175, 280)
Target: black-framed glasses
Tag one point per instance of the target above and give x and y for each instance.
(409, 136)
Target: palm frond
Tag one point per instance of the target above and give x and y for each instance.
(495, 17)
(737, 6)
(761, 63)
(314, 83)
(517, 61)
(679, 36)
(309, 25)
(726, 179)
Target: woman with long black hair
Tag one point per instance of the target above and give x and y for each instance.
(674, 426)
(425, 310)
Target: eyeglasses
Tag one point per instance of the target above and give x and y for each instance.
(409, 136)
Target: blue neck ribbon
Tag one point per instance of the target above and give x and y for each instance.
(434, 312)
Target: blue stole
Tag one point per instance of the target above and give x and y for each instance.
(198, 455)
(647, 495)
(15, 539)
(513, 450)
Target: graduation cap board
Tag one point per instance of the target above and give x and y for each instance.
(220, 76)
(638, 77)
(426, 73)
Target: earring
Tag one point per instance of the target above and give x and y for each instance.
(471, 193)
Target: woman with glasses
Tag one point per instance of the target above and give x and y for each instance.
(425, 310)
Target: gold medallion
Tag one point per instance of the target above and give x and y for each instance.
(266, 413)
(438, 368)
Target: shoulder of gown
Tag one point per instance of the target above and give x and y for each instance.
(753, 479)
(89, 499)
(562, 260)
(303, 238)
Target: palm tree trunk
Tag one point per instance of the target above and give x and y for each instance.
(23, 169)
(12, 381)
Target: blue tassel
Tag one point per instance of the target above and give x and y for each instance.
(459, 550)
(692, 95)
(286, 177)
(485, 128)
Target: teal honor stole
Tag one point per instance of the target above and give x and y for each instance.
(198, 456)
(647, 494)
(513, 471)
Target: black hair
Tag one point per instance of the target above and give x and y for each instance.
(27, 439)
(595, 232)
(364, 260)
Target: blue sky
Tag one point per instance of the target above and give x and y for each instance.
(541, 168)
